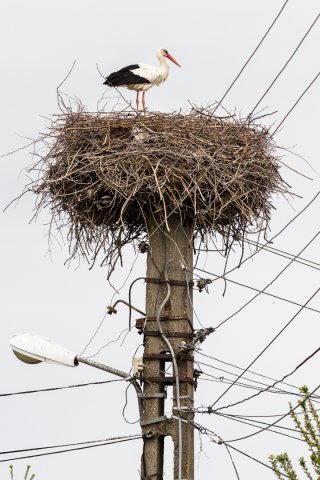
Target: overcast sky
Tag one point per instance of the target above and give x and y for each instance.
(39, 294)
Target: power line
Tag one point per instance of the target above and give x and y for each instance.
(249, 371)
(275, 251)
(229, 382)
(256, 426)
(278, 297)
(283, 253)
(244, 378)
(232, 461)
(8, 452)
(285, 65)
(315, 397)
(263, 246)
(213, 436)
(51, 389)
(104, 317)
(251, 56)
(239, 384)
(274, 236)
(266, 416)
(254, 459)
(269, 344)
(258, 421)
(214, 379)
(109, 442)
(296, 103)
(277, 381)
(243, 385)
(276, 421)
(270, 283)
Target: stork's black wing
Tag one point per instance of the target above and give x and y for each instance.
(125, 76)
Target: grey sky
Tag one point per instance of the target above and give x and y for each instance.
(40, 40)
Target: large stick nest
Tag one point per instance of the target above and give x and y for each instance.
(104, 174)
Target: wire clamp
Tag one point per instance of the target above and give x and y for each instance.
(202, 284)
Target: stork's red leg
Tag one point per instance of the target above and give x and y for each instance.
(137, 101)
(143, 101)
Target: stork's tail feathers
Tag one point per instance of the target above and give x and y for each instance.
(113, 80)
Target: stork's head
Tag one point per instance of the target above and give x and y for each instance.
(164, 53)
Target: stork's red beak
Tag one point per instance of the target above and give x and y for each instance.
(172, 59)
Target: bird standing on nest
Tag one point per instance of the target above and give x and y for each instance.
(141, 77)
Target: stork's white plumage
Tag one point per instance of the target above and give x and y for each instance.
(141, 77)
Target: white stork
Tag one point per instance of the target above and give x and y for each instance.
(141, 77)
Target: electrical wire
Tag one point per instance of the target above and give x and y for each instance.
(212, 436)
(244, 378)
(52, 389)
(95, 333)
(268, 416)
(104, 317)
(270, 283)
(254, 459)
(244, 385)
(285, 65)
(275, 251)
(259, 421)
(227, 382)
(118, 290)
(256, 426)
(260, 390)
(232, 461)
(118, 440)
(250, 371)
(296, 103)
(278, 297)
(22, 450)
(276, 421)
(110, 341)
(125, 406)
(290, 222)
(251, 56)
(269, 344)
(282, 253)
(126, 393)
(278, 381)
(205, 410)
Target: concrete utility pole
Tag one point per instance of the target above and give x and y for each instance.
(169, 268)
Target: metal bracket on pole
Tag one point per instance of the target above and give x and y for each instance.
(154, 395)
(176, 283)
(167, 380)
(150, 421)
(156, 333)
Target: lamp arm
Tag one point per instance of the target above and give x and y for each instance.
(118, 373)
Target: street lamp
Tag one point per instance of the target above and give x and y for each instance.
(35, 349)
